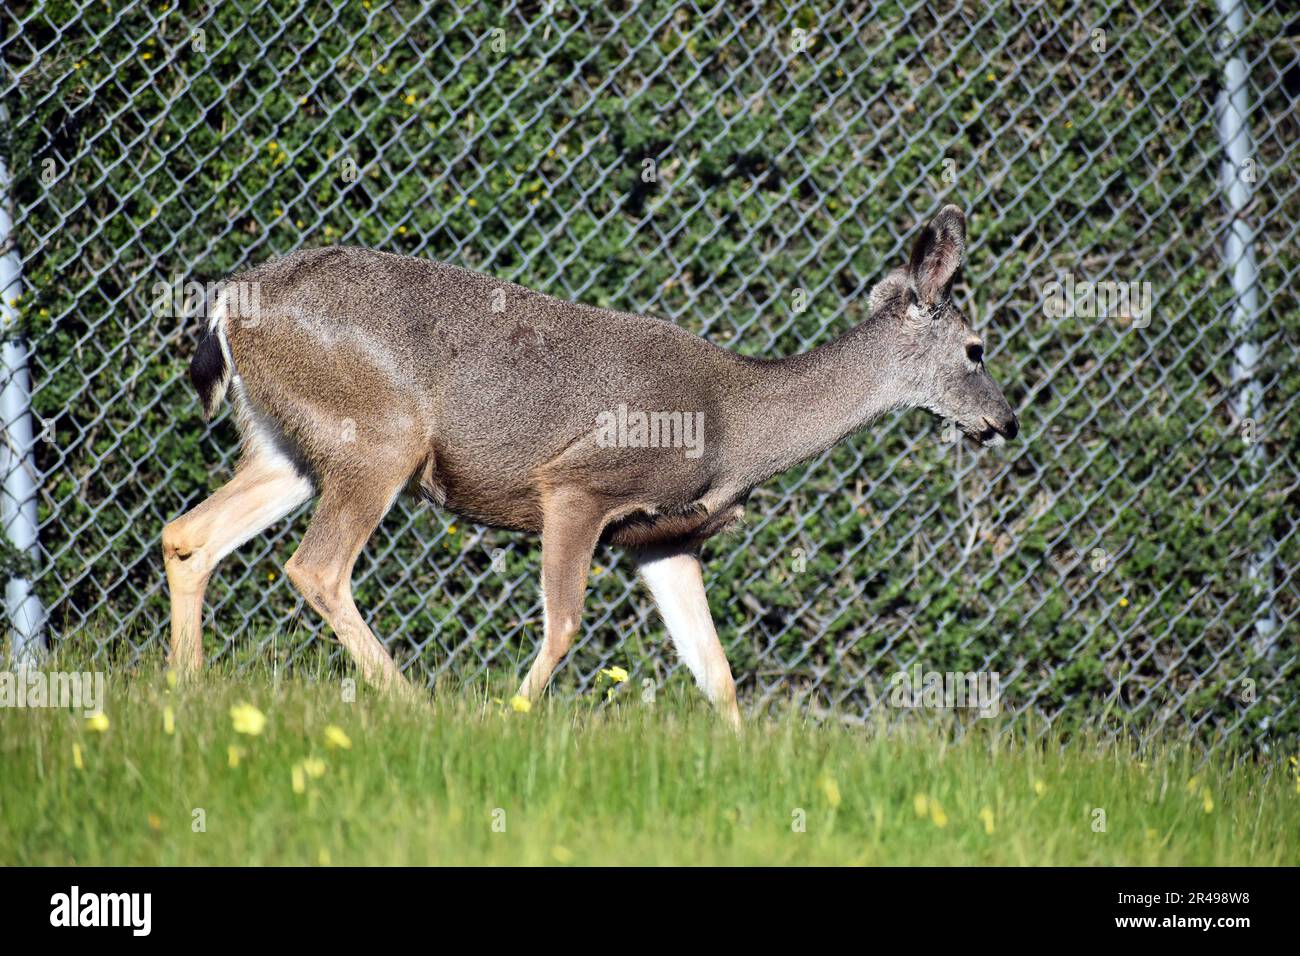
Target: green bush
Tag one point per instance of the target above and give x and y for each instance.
(776, 170)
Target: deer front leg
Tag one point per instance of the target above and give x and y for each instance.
(676, 581)
(571, 525)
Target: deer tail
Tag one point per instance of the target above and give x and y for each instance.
(211, 367)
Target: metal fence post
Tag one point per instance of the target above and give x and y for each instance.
(18, 500)
(1239, 260)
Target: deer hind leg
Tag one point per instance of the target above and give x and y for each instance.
(321, 570)
(676, 581)
(571, 526)
(264, 489)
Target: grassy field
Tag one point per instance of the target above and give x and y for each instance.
(251, 769)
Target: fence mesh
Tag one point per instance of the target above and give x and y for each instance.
(747, 170)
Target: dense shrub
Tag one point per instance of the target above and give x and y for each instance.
(1101, 563)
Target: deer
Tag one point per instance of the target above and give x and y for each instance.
(359, 376)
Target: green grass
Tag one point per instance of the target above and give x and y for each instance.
(581, 782)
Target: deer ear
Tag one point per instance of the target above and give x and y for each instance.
(937, 254)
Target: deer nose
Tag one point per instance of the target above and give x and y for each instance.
(1011, 428)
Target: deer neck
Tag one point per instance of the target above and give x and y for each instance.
(797, 407)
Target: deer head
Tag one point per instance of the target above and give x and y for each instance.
(938, 359)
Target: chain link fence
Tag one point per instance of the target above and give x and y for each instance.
(747, 170)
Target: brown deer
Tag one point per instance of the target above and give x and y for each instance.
(363, 374)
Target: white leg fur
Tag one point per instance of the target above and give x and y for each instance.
(676, 581)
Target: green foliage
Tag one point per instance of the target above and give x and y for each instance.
(775, 171)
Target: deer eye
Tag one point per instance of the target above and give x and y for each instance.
(974, 352)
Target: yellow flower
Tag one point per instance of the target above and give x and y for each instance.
(314, 767)
(921, 805)
(1193, 785)
(1040, 788)
(410, 99)
(335, 737)
(247, 719)
(155, 822)
(937, 816)
(323, 857)
(616, 674)
(233, 754)
(1123, 602)
(562, 855)
(986, 815)
(98, 723)
(520, 704)
(830, 788)
(76, 757)
(1207, 801)
(299, 781)
(169, 720)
